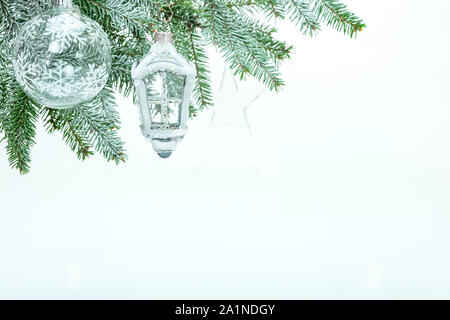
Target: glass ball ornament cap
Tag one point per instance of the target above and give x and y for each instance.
(61, 58)
(164, 82)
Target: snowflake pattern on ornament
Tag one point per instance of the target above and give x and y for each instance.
(64, 31)
(62, 58)
(94, 77)
(26, 71)
(59, 81)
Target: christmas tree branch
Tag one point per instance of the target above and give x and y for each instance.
(300, 13)
(53, 119)
(91, 126)
(227, 38)
(18, 116)
(61, 120)
(77, 141)
(125, 13)
(336, 15)
(20, 129)
(5, 84)
(82, 127)
(202, 91)
(263, 69)
(101, 132)
(278, 50)
(125, 51)
(210, 16)
(275, 8)
(243, 52)
(108, 108)
(7, 22)
(272, 8)
(261, 36)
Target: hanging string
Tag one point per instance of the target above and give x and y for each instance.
(166, 21)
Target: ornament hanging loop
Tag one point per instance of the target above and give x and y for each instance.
(165, 21)
(62, 3)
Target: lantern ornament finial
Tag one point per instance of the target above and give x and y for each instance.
(164, 82)
(62, 3)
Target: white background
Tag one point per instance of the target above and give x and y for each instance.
(345, 193)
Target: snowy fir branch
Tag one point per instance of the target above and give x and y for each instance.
(241, 30)
(203, 91)
(301, 14)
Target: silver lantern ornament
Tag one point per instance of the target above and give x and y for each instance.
(164, 82)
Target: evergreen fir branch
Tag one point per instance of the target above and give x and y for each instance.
(244, 3)
(210, 16)
(259, 52)
(61, 120)
(125, 51)
(246, 6)
(3, 100)
(13, 14)
(120, 74)
(53, 119)
(336, 15)
(232, 49)
(128, 14)
(108, 107)
(20, 128)
(272, 8)
(188, 41)
(94, 123)
(77, 141)
(187, 13)
(240, 48)
(275, 9)
(18, 116)
(263, 70)
(8, 23)
(300, 13)
(263, 39)
(278, 50)
(223, 33)
(3, 112)
(91, 126)
(5, 84)
(202, 91)
(94, 119)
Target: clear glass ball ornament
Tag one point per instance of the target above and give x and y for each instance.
(61, 58)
